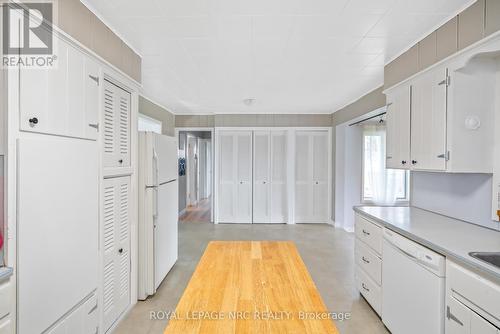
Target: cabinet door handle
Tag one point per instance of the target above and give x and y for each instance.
(388, 157)
(120, 251)
(33, 121)
(94, 125)
(366, 233)
(120, 161)
(364, 287)
(95, 78)
(451, 316)
(414, 162)
(403, 162)
(263, 182)
(365, 260)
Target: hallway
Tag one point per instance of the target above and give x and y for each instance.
(197, 214)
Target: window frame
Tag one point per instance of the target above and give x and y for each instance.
(366, 200)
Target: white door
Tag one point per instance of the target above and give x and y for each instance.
(116, 126)
(116, 245)
(58, 215)
(270, 176)
(311, 176)
(166, 231)
(398, 129)
(62, 100)
(204, 168)
(235, 177)
(428, 121)
(262, 177)
(192, 170)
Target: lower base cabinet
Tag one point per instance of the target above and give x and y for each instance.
(472, 303)
(83, 320)
(368, 260)
(6, 325)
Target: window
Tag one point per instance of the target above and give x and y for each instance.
(381, 186)
(149, 124)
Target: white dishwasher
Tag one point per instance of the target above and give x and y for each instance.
(413, 287)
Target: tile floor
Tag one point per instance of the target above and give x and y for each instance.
(326, 251)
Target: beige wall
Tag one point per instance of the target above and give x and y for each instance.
(253, 120)
(148, 108)
(477, 21)
(79, 22)
(371, 101)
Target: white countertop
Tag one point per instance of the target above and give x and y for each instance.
(450, 237)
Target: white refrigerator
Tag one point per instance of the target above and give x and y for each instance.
(158, 205)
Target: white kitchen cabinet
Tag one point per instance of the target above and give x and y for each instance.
(428, 121)
(6, 325)
(82, 320)
(62, 100)
(472, 302)
(311, 176)
(235, 177)
(115, 240)
(58, 228)
(398, 128)
(116, 126)
(270, 176)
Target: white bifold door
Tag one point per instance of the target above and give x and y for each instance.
(116, 244)
(269, 177)
(311, 176)
(235, 177)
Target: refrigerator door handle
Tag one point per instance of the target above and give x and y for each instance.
(156, 183)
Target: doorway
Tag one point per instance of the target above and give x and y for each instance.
(195, 177)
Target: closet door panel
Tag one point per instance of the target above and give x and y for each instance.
(244, 177)
(116, 244)
(227, 178)
(261, 171)
(116, 126)
(279, 174)
(320, 177)
(303, 176)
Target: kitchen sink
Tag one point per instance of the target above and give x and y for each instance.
(491, 258)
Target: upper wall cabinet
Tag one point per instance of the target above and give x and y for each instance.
(116, 126)
(62, 100)
(453, 107)
(428, 121)
(398, 128)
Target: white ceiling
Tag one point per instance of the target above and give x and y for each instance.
(291, 56)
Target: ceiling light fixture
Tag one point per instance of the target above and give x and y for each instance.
(249, 102)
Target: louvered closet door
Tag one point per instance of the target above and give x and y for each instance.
(279, 172)
(116, 124)
(227, 177)
(311, 176)
(319, 161)
(235, 177)
(244, 177)
(116, 244)
(262, 177)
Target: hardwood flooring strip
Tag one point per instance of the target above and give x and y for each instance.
(251, 287)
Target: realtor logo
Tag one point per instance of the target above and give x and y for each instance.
(27, 34)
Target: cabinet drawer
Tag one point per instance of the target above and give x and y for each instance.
(83, 320)
(368, 261)
(5, 299)
(6, 326)
(482, 294)
(369, 289)
(369, 233)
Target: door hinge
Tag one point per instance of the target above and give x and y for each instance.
(445, 156)
(95, 78)
(446, 81)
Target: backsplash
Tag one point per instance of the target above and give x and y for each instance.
(462, 196)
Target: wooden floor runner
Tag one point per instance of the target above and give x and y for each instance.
(251, 287)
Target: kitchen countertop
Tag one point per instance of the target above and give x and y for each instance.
(450, 237)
